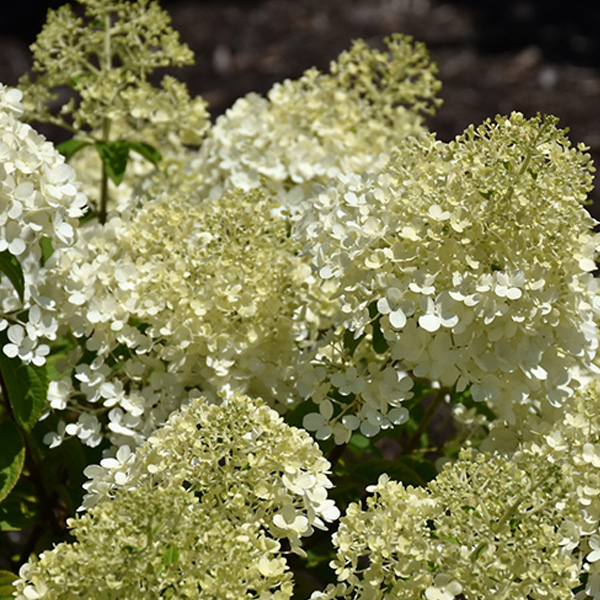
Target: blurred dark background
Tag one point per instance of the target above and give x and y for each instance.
(494, 56)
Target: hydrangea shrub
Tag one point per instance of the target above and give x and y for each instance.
(307, 351)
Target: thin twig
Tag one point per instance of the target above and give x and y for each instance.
(431, 410)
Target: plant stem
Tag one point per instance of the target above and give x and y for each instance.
(336, 454)
(431, 410)
(106, 123)
(103, 195)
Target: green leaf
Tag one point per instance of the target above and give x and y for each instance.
(12, 456)
(18, 511)
(70, 147)
(403, 469)
(74, 81)
(171, 555)
(27, 387)
(114, 155)
(359, 443)
(11, 267)
(514, 524)
(478, 551)
(350, 342)
(47, 249)
(147, 151)
(7, 589)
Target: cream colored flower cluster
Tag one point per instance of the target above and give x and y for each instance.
(211, 293)
(466, 263)
(197, 513)
(309, 130)
(520, 523)
(39, 200)
(237, 449)
(485, 528)
(182, 292)
(369, 389)
(158, 543)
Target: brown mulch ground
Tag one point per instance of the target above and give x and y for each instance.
(248, 46)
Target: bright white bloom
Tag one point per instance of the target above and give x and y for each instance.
(443, 588)
(39, 202)
(205, 287)
(465, 263)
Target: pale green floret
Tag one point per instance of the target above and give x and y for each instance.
(474, 260)
(101, 64)
(158, 543)
(196, 513)
(486, 527)
(111, 51)
(167, 119)
(311, 129)
(239, 455)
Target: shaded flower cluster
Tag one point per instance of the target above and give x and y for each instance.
(172, 548)
(468, 263)
(188, 294)
(220, 485)
(516, 521)
(105, 58)
(167, 119)
(98, 66)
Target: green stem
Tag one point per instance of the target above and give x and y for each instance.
(527, 160)
(431, 410)
(336, 454)
(106, 124)
(103, 195)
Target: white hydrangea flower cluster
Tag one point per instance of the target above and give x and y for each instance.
(369, 391)
(309, 130)
(157, 288)
(238, 455)
(511, 522)
(188, 294)
(39, 199)
(197, 512)
(571, 439)
(466, 263)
